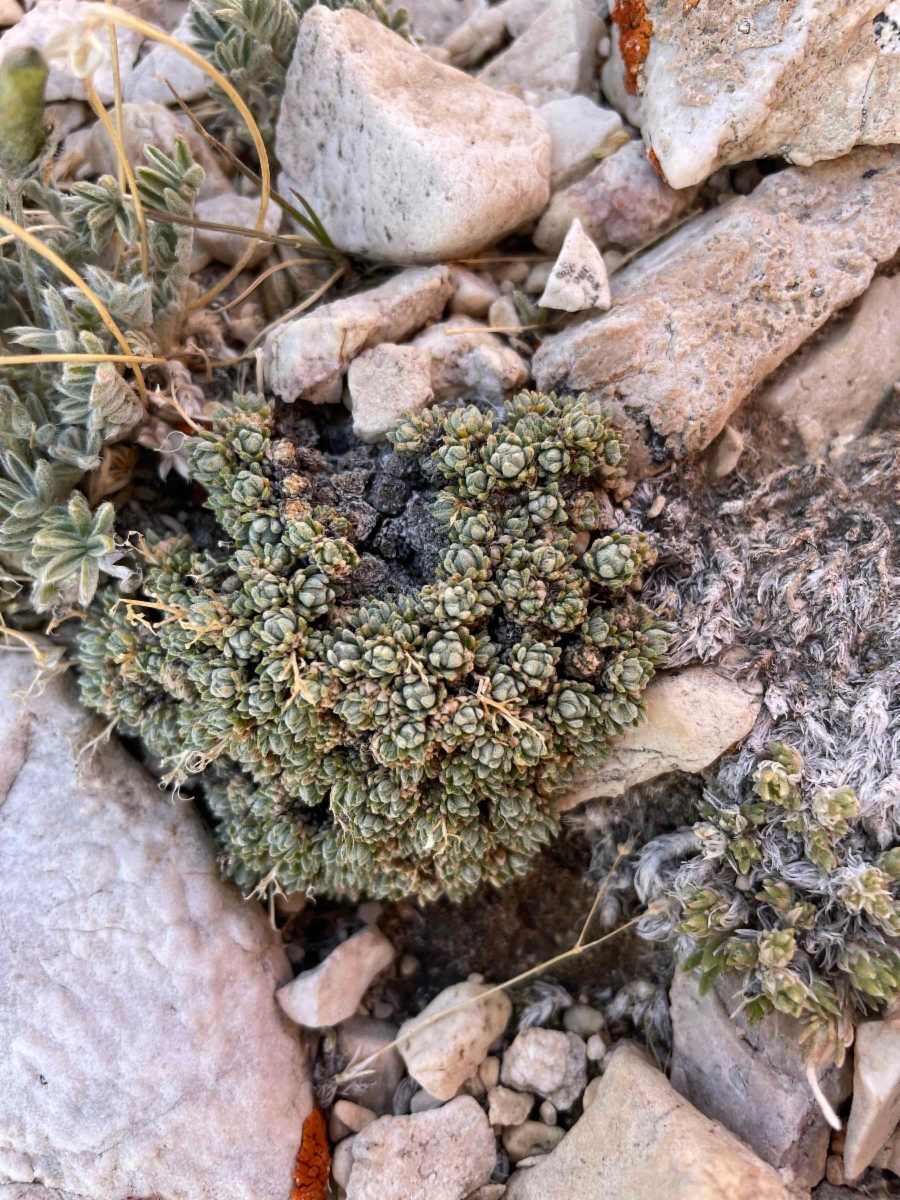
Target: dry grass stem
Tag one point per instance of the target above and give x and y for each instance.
(22, 360)
(117, 92)
(291, 262)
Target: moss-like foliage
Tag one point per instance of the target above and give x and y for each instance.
(790, 892)
(412, 744)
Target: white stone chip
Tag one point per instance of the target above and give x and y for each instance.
(330, 992)
(385, 383)
(578, 280)
(554, 58)
(578, 126)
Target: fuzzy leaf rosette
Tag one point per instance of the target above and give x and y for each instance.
(411, 744)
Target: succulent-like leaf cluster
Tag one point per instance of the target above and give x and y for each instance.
(412, 744)
(788, 891)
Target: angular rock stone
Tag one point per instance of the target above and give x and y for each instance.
(833, 388)
(578, 126)
(475, 363)
(229, 209)
(622, 202)
(488, 28)
(639, 1140)
(732, 81)
(403, 158)
(308, 356)
(473, 294)
(439, 1155)
(433, 20)
(52, 17)
(554, 1065)
(443, 1055)
(692, 717)
(578, 280)
(360, 1037)
(530, 1138)
(876, 1094)
(506, 1107)
(330, 992)
(555, 57)
(148, 79)
(700, 320)
(384, 383)
(752, 1078)
(141, 1051)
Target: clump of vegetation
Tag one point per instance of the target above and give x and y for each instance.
(409, 744)
(783, 886)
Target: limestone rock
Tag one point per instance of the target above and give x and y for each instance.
(552, 1064)
(141, 1050)
(488, 28)
(732, 81)
(330, 992)
(358, 1038)
(50, 18)
(833, 388)
(443, 1055)
(876, 1094)
(148, 79)
(434, 20)
(229, 209)
(470, 363)
(403, 158)
(384, 383)
(622, 202)
(752, 1078)
(308, 356)
(578, 280)
(506, 1107)
(530, 1138)
(639, 1140)
(342, 1162)
(473, 294)
(555, 57)
(583, 1020)
(692, 717)
(700, 320)
(438, 1155)
(578, 126)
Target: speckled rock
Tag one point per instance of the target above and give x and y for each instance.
(552, 1064)
(330, 992)
(403, 158)
(555, 57)
(384, 383)
(732, 81)
(578, 280)
(639, 1140)
(699, 321)
(308, 356)
(471, 361)
(438, 1155)
(141, 1049)
(622, 202)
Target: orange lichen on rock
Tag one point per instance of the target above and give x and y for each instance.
(688, 5)
(313, 1160)
(635, 31)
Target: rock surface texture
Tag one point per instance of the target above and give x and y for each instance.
(141, 1050)
(639, 1140)
(577, 127)
(752, 1078)
(692, 717)
(876, 1094)
(699, 321)
(401, 157)
(741, 79)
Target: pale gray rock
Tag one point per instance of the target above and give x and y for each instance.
(640, 1140)
(401, 157)
(578, 126)
(530, 1138)
(552, 1064)
(692, 716)
(752, 1078)
(51, 19)
(734, 81)
(583, 1020)
(725, 453)
(578, 280)
(423, 1101)
(358, 1038)
(875, 1110)
(832, 388)
(434, 20)
(506, 1107)
(330, 992)
(439, 1155)
(308, 356)
(473, 294)
(442, 1055)
(472, 362)
(622, 202)
(355, 1116)
(489, 27)
(342, 1161)
(148, 79)
(384, 383)
(692, 332)
(141, 1049)
(229, 209)
(555, 57)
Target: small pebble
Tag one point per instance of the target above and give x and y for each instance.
(295, 953)
(547, 1113)
(490, 1071)
(288, 905)
(409, 966)
(475, 977)
(382, 1010)
(531, 1137)
(355, 1116)
(370, 911)
(834, 1170)
(596, 1048)
(583, 1020)
(423, 1101)
(342, 1162)
(473, 1086)
(590, 1093)
(657, 506)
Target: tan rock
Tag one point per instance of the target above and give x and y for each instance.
(555, 57)
(622, 202)
(700, 320)
(578, 280)
(11, 12)
(403, 158)
(530, 1138)
(875, 1110)
(506, 1107)
(385, 383)
(470, 362)
(832, 389)
(355, 1116)
(473, 294)
(330, 992)
(442, 1055)
(639, 1140)
(243, 211)
(358, 1038)
(725, 453)
(308, 356)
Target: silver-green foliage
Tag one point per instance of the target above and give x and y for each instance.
(409, 745)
